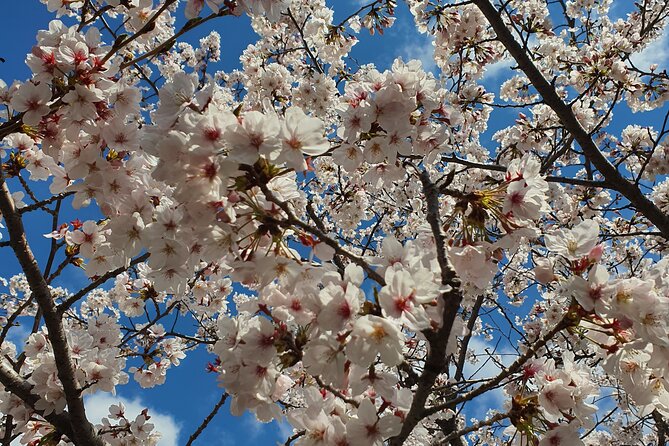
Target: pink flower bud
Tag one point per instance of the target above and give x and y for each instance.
(233, 197)
(543, 271)
(596, 253)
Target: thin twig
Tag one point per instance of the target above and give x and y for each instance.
(207, 420)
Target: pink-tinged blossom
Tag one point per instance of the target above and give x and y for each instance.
(593, 294)
(193, 8)
(73, 54)
(19, 141)
(39, 164)
(562, 435)
(256, 134)
(301, 135)
(356, 120)
(209, 130)
(81, 101)
(341, 306)
(126, 234)
(473, 264)
(372, 336)
(555, 398)
(544, 270)
(272, 9)
(32, 100)
(259, 341)
(574, 243)
(88, 238)
(368, 429)
(325, 356)
(175, 96)
(402, 298)
(120, 136)
(349, 156)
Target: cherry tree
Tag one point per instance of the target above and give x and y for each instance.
(354, 251)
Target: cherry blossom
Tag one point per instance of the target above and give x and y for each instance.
(33, 99)
(407, 252)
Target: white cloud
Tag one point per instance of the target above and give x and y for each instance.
(655, 53)
(497, 70)
(483, 350)
(18, 335)
(97, 407)
(253, 428)
(493, 399)
(285, 430)
(422, 49)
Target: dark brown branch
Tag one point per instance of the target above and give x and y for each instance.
(167, 44)
(81, 429)
(566, 115)
(18, 386)
(294, 437)
(513, 368)
(662, 428)
(292, 220)
(9, 429)
(63, 307)
(10, 320)
(336, 392)
(474, 427)
(148, 27)
(436, 360)
(207, 420)
(317, 65)
(460, 365)
(549, 178)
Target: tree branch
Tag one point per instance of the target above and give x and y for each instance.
(18, 386)
(566, 115)
(294, 221)
(81, 429)
(474, 427)
(513, 368)
(207, 420)
(63, 307)
(436, 360)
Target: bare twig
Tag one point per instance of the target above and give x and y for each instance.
(63, 307)
(207, 420)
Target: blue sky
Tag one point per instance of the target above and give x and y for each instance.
(189, 392)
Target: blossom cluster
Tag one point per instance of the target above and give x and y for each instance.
(341, 238)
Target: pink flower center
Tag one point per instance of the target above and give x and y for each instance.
(212, 134)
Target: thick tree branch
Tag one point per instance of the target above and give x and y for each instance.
(18, 386)
(436, 360)
(566, 115)
(662, 428)
(82, 430)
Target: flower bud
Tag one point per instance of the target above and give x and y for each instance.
(543, 271)
(596, 253)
